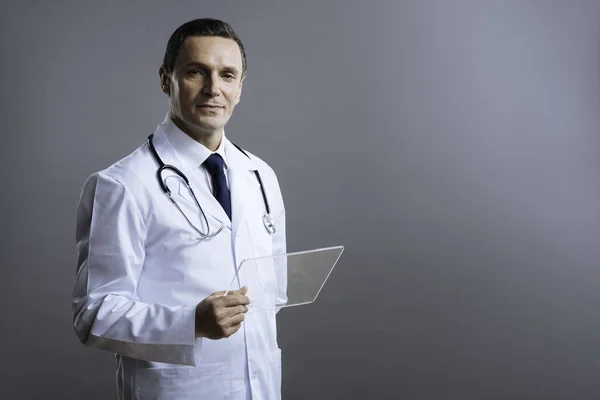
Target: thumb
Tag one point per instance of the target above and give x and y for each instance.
(243, 290)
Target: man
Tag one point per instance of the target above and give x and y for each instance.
(156, 256)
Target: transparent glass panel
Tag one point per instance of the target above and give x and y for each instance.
(303, 275)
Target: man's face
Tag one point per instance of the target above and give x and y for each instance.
(205, 85)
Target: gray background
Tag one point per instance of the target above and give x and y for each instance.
(451, 146)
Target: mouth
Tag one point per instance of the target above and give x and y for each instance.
(209, 106)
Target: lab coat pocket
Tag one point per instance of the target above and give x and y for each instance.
(266, 271)
(275, 374)
(209, 381)
(262, 244)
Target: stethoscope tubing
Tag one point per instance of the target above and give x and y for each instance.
(267, 218)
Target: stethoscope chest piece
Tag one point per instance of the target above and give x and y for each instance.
(268, 221)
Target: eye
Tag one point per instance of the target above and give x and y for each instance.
(229, 76)
(194, 72)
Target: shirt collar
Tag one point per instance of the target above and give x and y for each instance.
(191, 152)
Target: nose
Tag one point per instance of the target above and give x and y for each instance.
(211, 86)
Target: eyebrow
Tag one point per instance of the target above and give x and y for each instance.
(202, 65)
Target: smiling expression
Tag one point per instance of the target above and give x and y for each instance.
(204, 87)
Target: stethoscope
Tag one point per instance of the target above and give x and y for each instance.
(267, 217)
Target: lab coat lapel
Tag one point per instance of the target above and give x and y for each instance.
(207, 201)
(243, 183)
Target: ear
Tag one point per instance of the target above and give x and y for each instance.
(165, 81)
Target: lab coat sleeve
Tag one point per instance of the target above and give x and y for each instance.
(107, 313)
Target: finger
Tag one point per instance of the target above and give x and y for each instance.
(224, 293)
(243, 290)
(231, 330)
(234, 300)
(231, 311)
(232, 321)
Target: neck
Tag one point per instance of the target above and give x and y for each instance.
(209, 139)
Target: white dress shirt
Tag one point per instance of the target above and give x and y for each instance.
(193, 153)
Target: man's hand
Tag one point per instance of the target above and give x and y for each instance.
(219, 316)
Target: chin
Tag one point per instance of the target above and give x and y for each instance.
(205, 125)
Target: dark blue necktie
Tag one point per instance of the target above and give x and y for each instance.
(214, 166)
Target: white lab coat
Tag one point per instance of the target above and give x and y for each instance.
(141, 272)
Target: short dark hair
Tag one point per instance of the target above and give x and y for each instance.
(199, 27)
